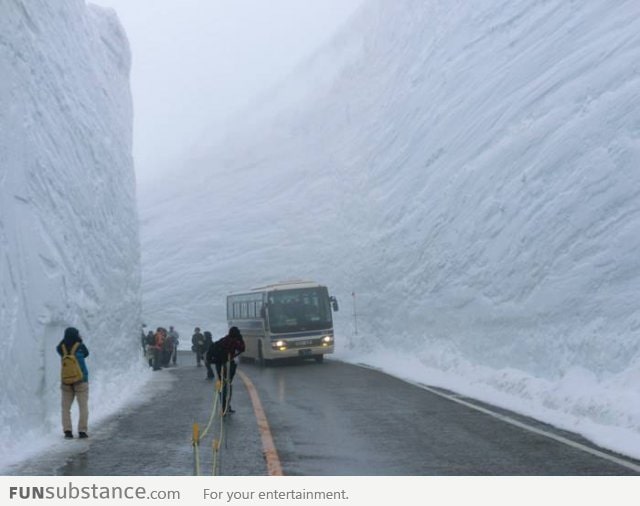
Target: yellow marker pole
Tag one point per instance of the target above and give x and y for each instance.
(216, 447)
(196, 452)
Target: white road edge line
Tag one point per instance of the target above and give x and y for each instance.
(550, 435)
(509, 420)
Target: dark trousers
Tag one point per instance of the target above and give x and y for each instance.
(157, 357)
(221, 369)
(207, 364)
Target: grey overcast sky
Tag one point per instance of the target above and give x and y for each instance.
(195, 62)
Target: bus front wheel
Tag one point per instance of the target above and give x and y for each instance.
(319, 358)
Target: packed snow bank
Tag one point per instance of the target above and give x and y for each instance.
(68, 222)
(470, 171)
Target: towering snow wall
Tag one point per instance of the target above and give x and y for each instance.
(69, 246)
(472, 171)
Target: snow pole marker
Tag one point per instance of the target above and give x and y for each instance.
(216, 448)
(195, 441)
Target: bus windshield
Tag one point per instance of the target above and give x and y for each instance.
(299, 309)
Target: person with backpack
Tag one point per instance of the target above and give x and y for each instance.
(208, 341)
(197, 345)
(74, 381)
(222, 354)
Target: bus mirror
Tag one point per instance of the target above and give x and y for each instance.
(334, 303)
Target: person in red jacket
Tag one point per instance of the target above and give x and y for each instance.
(222, 354)
(160, 336)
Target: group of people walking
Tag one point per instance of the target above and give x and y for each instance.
(161, 347)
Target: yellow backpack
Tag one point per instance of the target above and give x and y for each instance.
(70, 372)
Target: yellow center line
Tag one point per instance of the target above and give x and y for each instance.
(271, 454)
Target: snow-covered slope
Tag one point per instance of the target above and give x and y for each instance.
(472, 171)
(69, 247)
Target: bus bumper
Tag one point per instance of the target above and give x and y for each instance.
(307, 352)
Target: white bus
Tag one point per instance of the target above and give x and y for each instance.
(288, 319)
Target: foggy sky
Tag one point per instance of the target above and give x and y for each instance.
(195, 62)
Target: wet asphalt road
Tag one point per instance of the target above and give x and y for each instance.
(325, 419)
(154, 437)
(339, 419)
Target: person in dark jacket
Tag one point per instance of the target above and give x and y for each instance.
(150, 341)
(78, 390)
(197, 345)
(222, 354)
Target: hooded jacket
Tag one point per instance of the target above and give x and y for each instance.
(71, 337)
(229, 347)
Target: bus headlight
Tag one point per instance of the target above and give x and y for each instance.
(327, 340)
(279, 345)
